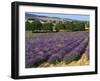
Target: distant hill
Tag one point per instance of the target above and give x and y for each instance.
(40, 17)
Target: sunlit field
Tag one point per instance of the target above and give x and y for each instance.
(56, 49)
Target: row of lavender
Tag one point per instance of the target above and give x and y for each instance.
(55, 47)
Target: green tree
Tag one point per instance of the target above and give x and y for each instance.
(58, 26)
(28, 26)
(61, 25)
(78, 26)
(48, 26)
(68, 25)
(36, 26)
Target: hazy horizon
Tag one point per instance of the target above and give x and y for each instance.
(69, 16)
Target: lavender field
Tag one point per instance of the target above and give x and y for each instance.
(44, 49)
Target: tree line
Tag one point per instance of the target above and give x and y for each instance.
(38, 26)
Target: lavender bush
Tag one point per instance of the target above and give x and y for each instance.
(54, 47)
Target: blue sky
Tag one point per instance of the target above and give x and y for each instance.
(70, 16)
